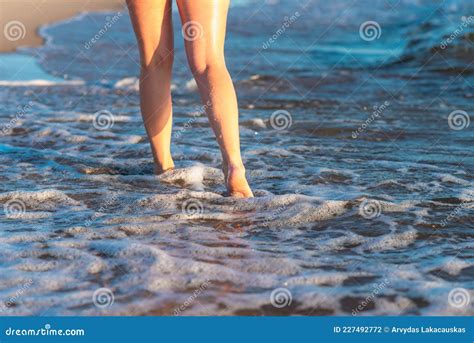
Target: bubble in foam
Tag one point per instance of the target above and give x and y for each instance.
(196, 177)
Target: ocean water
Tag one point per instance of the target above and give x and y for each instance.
(357, 144)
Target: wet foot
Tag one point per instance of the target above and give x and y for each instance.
(164, 167)
(236, 182)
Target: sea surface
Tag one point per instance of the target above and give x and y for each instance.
(357, 134)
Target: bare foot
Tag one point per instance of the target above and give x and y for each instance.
(164, 167)
(237, 185)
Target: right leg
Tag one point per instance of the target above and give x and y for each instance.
(208, 19)
(152, 23)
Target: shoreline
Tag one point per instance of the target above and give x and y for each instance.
(21, 20)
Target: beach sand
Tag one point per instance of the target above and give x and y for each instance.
(24, 17)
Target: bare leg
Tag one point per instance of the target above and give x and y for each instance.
(152, 24)
(204, 26)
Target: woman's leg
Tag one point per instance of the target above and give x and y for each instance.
(153, 27)
(204, 27)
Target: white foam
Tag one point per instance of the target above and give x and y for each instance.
(132, 84)
(392, 241)
(399, 305)
(307, 213)
(391, 207)
(333, 244)
(196, 178)
(191, 85)
(129, 83)
(133, 139)
(454, 265)
(82, 117)
(467, 195)
(322, 279)
(28, 215)
(259, 123)
(31, 237)
(448, 178)
(40, 200)
(192, 176)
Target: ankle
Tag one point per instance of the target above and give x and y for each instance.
(163, 165)
(235, 166)
(162, 169)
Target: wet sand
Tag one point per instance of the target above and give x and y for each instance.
(24, 17)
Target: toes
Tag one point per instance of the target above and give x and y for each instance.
(241, 194)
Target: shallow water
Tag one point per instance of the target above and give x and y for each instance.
(349, 204)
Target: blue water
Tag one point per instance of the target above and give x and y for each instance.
(364, 181)
(20, 69)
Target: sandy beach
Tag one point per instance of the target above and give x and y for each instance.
(26, 16)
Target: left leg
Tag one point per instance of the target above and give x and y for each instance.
(204, 26)
(152, 23)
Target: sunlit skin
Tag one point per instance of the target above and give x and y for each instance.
(152, 22)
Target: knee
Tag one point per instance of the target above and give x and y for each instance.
(208, 66)
(157, 59)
